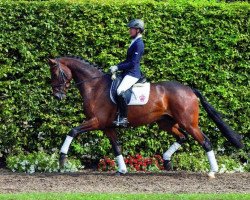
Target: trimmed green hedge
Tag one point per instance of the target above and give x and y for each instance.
(201, 44)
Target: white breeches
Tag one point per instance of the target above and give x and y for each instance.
(127, 82)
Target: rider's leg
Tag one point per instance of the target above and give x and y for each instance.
(127, 82)
(123, 111)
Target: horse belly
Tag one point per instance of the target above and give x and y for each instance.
(150, 112)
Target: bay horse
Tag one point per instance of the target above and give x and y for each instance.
(173, 106)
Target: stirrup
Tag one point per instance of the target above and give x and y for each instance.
(121, 122)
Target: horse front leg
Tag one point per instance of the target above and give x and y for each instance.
(89, 125)
(112, 135)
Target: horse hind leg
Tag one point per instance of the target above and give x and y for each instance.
(181, 137)
(203, 140)
(171, 126)
(187, 118)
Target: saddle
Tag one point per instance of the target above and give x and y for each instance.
(138, 94)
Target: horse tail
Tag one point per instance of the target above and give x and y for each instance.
(231, 136)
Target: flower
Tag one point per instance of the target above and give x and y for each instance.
(134, 163)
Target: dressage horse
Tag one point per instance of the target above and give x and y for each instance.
(173, 106)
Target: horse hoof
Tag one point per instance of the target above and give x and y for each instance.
(119, 173)
(211, 175)
(167, 165)
(62, 160)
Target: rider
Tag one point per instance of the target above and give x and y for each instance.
(130, 68)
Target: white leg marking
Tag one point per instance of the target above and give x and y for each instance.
(212, 161)
(173, 148)
(121, 164)
(66, 144)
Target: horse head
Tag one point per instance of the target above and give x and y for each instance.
(60, 78)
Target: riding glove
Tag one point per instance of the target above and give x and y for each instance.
(113, 69)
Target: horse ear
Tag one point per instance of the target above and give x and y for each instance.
(51, 61)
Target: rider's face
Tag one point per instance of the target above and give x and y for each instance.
(133, 32)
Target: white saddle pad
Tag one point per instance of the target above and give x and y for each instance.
(140, 94)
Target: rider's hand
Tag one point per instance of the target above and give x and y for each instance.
(113, 69)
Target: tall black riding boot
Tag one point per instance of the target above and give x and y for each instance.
(122, 120)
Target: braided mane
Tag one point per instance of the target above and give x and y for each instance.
(84, 61)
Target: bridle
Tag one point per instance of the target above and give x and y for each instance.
(63, 77)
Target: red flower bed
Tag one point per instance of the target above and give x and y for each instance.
(134, 163)
(106, 164)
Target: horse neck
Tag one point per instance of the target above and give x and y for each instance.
(82, 71)
(88, 77)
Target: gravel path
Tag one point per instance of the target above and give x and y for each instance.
(92, 181)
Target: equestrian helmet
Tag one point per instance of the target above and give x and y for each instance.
(136, 23)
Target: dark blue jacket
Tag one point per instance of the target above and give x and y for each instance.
(131, 66)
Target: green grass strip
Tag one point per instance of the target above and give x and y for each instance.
(110, 196)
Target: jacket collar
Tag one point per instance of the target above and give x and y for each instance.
(137, 37)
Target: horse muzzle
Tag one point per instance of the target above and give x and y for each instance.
(60, 96)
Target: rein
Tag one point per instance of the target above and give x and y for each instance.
(90, 79)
